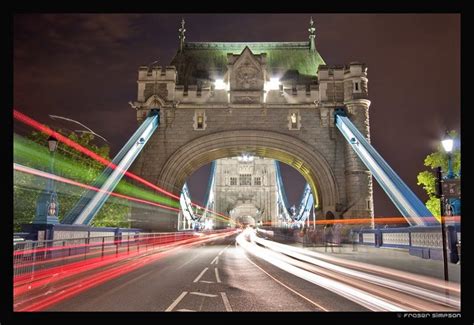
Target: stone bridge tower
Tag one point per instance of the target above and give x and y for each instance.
(271, 99)
(246, 186)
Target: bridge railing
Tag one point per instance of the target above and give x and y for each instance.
(38, 258)
(424, 242)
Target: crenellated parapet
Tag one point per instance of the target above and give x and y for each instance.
(156, 80)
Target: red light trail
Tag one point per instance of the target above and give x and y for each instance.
(46, 130)
(67, 290)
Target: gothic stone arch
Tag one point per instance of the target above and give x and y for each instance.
(293, 124)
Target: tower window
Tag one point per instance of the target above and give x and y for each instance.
(245, 179)
(294, 120)
(233, 181)
(357, 87)
(257, 181)
(200, 120)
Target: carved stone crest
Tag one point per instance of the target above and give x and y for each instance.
(159, 89)
(246, 76)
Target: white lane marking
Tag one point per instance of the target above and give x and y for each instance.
(217, 275)
(207, 281)
(201, 274)
(185, 310)
(226, 302)
(216, 259)
(202, 294)
(181, 296)
(281, 283)
(222, 251)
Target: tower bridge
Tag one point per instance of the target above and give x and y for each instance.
(243, 108)
(273, 100)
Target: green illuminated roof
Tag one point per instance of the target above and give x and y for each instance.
(199, 60)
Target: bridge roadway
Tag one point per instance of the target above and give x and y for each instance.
(216, 276)
(243, 272)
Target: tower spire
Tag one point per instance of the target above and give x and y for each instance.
(181, 36)
(312, 35)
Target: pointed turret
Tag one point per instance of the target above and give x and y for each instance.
(312, 35)
(181, 36)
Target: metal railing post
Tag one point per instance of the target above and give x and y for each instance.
(128, 244)
(103, 242)
(116, 245)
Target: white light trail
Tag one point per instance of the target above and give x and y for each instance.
(367, 300)
(376, 288)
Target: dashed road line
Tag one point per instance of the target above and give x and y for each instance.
(203, 294)
(204, 281)
(222, 251)
(217, 275)
(201, 274)
(185, 310)
(226, 302)
(181, 296)
(284, 285)
(215, 260)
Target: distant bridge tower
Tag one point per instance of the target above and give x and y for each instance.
(246, 189)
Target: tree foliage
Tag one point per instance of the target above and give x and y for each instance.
(70, 164)
(427, 179)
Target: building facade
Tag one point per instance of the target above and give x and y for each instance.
(245, 188)
(270, 99)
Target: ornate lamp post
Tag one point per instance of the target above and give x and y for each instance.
(447, 189)
(47, 206)
(451, 184)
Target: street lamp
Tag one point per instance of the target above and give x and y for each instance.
(448, 144)
(47, 206)
(52, 144)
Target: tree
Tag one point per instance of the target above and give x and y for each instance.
(427, 179)
(68, 163)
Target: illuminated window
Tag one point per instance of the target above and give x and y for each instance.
(245, 179)
(233, 181)
(200, 120)
(257, 181)
(294, 119)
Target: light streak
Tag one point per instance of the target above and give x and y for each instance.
(40, 173)
(40, 127)
(371, 278)
(374, 287)
(365, 299)
(68, 290)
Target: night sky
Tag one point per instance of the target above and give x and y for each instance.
(84, 67)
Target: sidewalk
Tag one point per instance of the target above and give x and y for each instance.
(394, 258)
